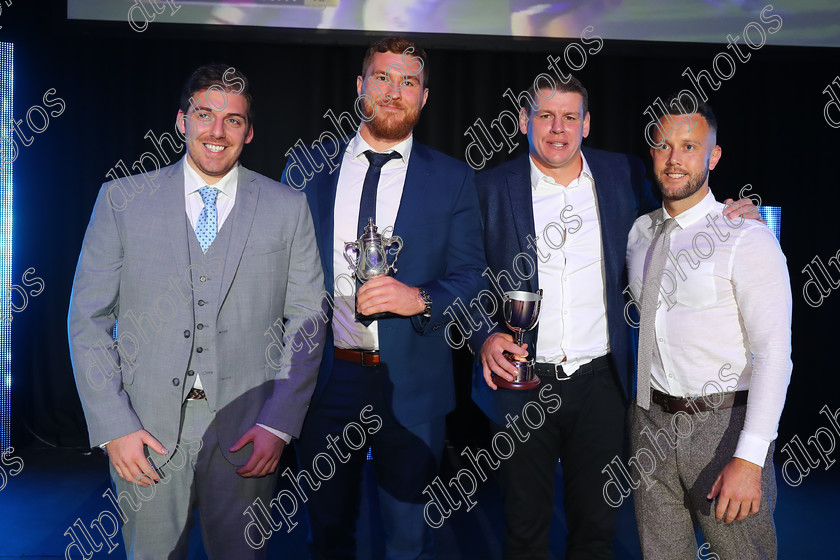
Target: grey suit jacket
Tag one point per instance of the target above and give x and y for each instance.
(135, 266)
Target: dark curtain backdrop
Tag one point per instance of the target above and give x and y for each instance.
(118, 84)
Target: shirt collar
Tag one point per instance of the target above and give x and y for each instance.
(357, 147)
(193, 181)
(536, 174)
(696, 212)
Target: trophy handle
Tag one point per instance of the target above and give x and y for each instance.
(389, 242)
(352, 247)
(506, 307)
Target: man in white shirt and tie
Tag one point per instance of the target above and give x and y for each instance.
(557, 219)
(193, 413)
(714, 357)
(395, 370)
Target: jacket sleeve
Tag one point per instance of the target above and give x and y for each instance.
(94, 306)
(305, 317)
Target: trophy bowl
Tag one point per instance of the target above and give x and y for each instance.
(368, 258)
(521, 311)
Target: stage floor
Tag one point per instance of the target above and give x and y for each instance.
(58, 486)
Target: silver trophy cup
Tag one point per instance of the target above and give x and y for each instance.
(521, 312)
(368, 258)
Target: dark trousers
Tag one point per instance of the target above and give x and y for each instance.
(405, 460)
(586, 433)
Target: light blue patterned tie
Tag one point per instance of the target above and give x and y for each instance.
(205, 228)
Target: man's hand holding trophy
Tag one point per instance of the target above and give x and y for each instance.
(505, 360)
(380, 295)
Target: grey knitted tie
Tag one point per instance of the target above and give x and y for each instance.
(650, 297)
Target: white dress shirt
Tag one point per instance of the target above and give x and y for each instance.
(728, 326)
(348, 332)
(573, 313)
(224, 201)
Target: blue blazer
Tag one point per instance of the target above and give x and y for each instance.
(439, 223)
(507, 210)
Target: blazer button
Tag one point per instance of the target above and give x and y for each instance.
(199, 349)
(201, 302)
(186, 334)
(199, 326)
(176, 381)
(191, 372)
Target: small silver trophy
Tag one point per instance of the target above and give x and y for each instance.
(521, 311)
(368, 257)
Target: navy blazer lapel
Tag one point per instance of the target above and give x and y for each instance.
(416, 179)
(605, 180)
(174, 207)
(240, 220)
(522, 211)
(325, 186)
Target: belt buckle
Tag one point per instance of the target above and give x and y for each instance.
(558, 372)
(364, 355)
(679, 404)
(688, 401)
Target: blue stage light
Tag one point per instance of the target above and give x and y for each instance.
(8, 153)
(773, 216)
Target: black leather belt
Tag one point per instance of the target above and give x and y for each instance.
(363, 357)
(692, 405)
(556, 370)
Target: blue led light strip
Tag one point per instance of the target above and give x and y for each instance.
(773, 216)
(7, 154)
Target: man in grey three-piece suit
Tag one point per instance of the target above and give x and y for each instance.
(203, 270)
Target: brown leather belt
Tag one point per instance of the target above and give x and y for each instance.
(692, 405)
(196, 394)
(363, 357)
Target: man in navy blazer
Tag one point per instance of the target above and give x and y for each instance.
(394, 377)
(558, 218)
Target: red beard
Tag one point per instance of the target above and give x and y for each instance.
(393, 126)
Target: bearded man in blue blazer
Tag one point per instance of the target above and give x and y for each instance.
(393, 375)
(198, 261)
(558, 218)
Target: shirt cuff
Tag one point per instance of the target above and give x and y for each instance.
(752, 448)
(282, 435)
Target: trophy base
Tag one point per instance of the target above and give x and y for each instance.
(375, 317)
(366, 320)
(517, 385)
(525, 377)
